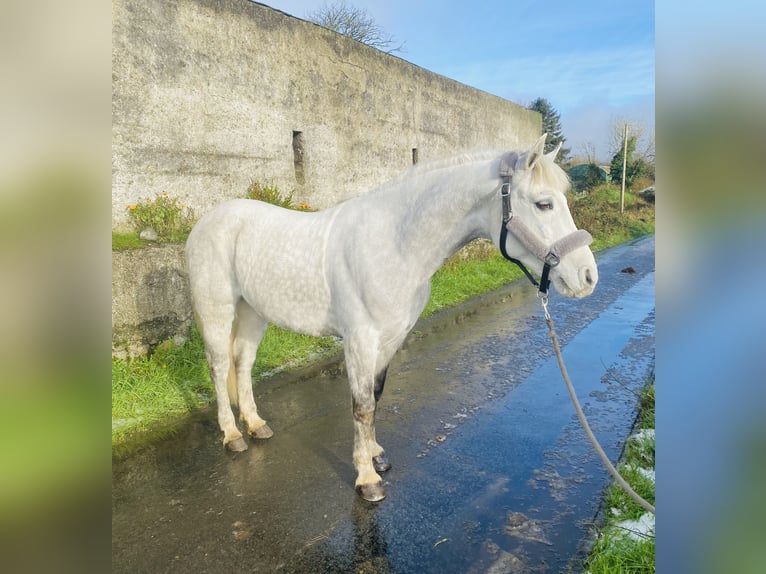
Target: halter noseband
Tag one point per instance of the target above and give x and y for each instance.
(550, 256)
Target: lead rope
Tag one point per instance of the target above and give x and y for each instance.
(583, 421)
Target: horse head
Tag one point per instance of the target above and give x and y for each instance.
(539, 224)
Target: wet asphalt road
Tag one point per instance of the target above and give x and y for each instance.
(491, 470)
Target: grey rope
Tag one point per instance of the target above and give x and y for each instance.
(583, 421)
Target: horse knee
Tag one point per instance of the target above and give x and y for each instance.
(362, 412)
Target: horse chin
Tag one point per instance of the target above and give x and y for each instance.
(563, 288)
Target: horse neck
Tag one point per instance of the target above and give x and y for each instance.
(447, 210)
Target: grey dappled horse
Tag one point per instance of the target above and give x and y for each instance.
(361, 270)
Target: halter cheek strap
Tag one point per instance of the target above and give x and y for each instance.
(505, 195)
(550, 256)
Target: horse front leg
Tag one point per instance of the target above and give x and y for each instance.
(216, 325)
(360, 362)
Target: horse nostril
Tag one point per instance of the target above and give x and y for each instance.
(588, 276)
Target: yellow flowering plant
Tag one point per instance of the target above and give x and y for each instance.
(168, 216)
(271, 194)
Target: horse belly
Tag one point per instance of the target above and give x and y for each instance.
(286, 286)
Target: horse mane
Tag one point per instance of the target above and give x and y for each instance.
(432, 165)
(546, 172)
(452, 161)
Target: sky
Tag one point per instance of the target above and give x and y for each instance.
(592, 60)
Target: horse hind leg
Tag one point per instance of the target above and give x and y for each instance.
(246, 337)
(216, 324)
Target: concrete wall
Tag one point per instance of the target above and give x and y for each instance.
(209, 94)
(150, 299)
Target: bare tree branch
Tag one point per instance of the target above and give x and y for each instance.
(356, 23)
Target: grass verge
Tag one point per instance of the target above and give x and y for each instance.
(599, 213)
(625, 543)
(151, 394)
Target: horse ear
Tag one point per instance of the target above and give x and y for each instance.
(529, 159)
(537, 151)
(552, 154)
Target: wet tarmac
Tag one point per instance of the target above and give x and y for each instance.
(491, 470)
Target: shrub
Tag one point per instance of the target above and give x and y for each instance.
(599, 213)
(271, 194)
(171, 219)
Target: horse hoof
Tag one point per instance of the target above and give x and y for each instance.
(380, 463)
(371, 492)
(237, 445)
(262, 432)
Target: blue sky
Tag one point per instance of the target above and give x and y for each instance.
(593, 60)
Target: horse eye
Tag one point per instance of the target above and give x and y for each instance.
(543, 205)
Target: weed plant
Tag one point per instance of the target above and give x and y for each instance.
(270, 194)
(168, 216)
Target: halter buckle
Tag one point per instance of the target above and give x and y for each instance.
(552, 259)
(505, 196)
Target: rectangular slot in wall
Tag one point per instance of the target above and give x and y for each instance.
(298, 153)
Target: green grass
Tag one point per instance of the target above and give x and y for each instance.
(599, 213)
(149, 393)
(281, 349)
(614, 552)
(620, 555)
(123, 241)
(478, 269)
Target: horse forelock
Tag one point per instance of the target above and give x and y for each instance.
(547, 173)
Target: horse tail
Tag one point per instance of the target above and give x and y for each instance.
(231, 377)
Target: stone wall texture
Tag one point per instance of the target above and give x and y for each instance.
(209, 95)
(150, 299)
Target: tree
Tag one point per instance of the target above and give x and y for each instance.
(356, 23)
(644, 145)
(551, 126)
(635, 168)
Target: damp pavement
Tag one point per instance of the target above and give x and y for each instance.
(491, 470)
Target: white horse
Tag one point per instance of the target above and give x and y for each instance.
(361, 270)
